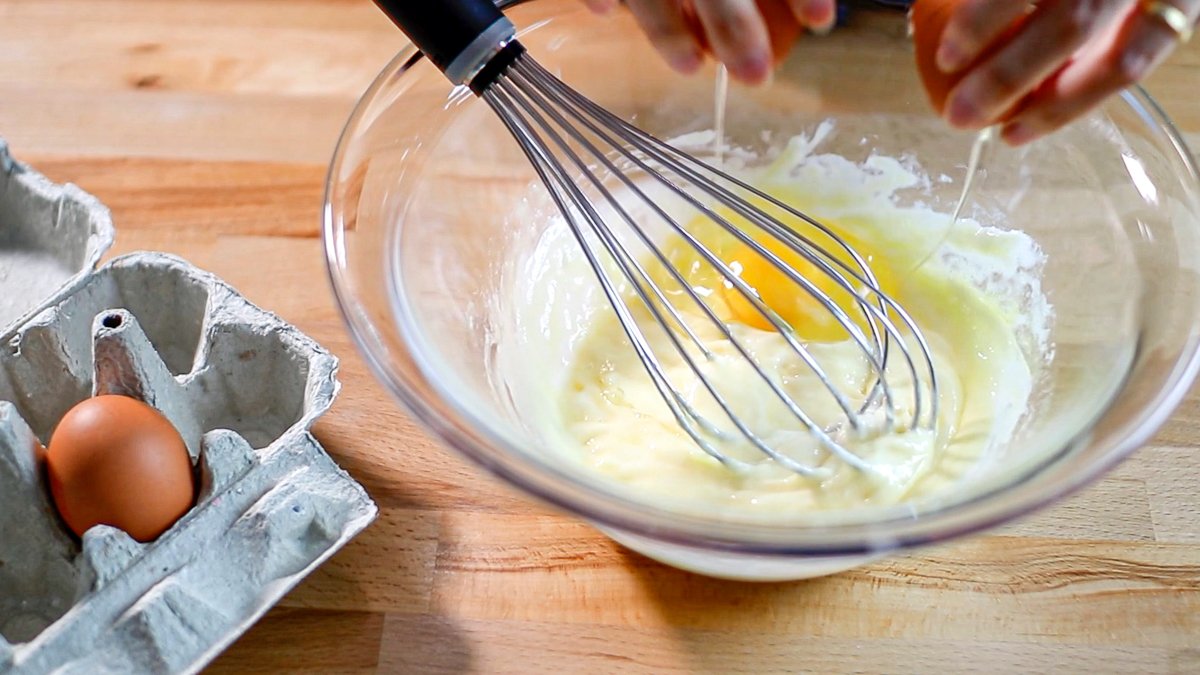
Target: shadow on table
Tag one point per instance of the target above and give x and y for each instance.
(724, 626)
(369, 607)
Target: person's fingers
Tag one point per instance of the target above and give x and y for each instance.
(601, 6)
(738, 37)
(1040, 47)
(664, 23)
(1138, 44)
(819, 15)
(973, 26)
(783, 27)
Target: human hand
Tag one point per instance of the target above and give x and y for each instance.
(749, 36)
(1047, 64)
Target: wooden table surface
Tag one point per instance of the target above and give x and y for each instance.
(206, 126)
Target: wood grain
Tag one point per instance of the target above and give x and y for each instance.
(209, 198)
(206, 126)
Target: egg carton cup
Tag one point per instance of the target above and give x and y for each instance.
(242, 387)
(51, 237)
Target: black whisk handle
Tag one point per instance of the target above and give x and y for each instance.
(458, 36)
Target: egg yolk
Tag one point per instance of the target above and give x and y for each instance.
(805, 313)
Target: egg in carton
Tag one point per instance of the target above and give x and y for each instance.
(241, 386)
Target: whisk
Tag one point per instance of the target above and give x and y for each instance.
(581, 151)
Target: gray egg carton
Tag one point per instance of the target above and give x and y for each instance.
(242, 387)
(51, 236)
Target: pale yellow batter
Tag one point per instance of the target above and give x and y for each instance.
(985, 352)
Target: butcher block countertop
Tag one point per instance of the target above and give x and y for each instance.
(206, 126)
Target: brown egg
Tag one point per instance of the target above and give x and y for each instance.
(113, 460)
(928, 19)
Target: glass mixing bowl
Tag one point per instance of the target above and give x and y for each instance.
(428, 215)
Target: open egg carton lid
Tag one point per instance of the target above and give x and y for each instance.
(241, 386)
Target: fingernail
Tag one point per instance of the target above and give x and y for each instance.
(752, 68)
(1136, 63)
(686, 62)
(962, 110)
(817, 16)
(950, 56)
(1019, 133)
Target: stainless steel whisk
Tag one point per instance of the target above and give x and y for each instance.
(580, 151)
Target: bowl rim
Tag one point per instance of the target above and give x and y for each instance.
(611, 510)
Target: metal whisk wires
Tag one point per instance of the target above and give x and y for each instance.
(567, 137)
(600, 170)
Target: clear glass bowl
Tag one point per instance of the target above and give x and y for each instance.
(424, 218)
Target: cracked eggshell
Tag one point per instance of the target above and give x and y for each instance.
(51, 237)
(242, 387)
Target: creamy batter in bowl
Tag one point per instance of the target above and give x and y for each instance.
(436, 232)
(987, 341)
